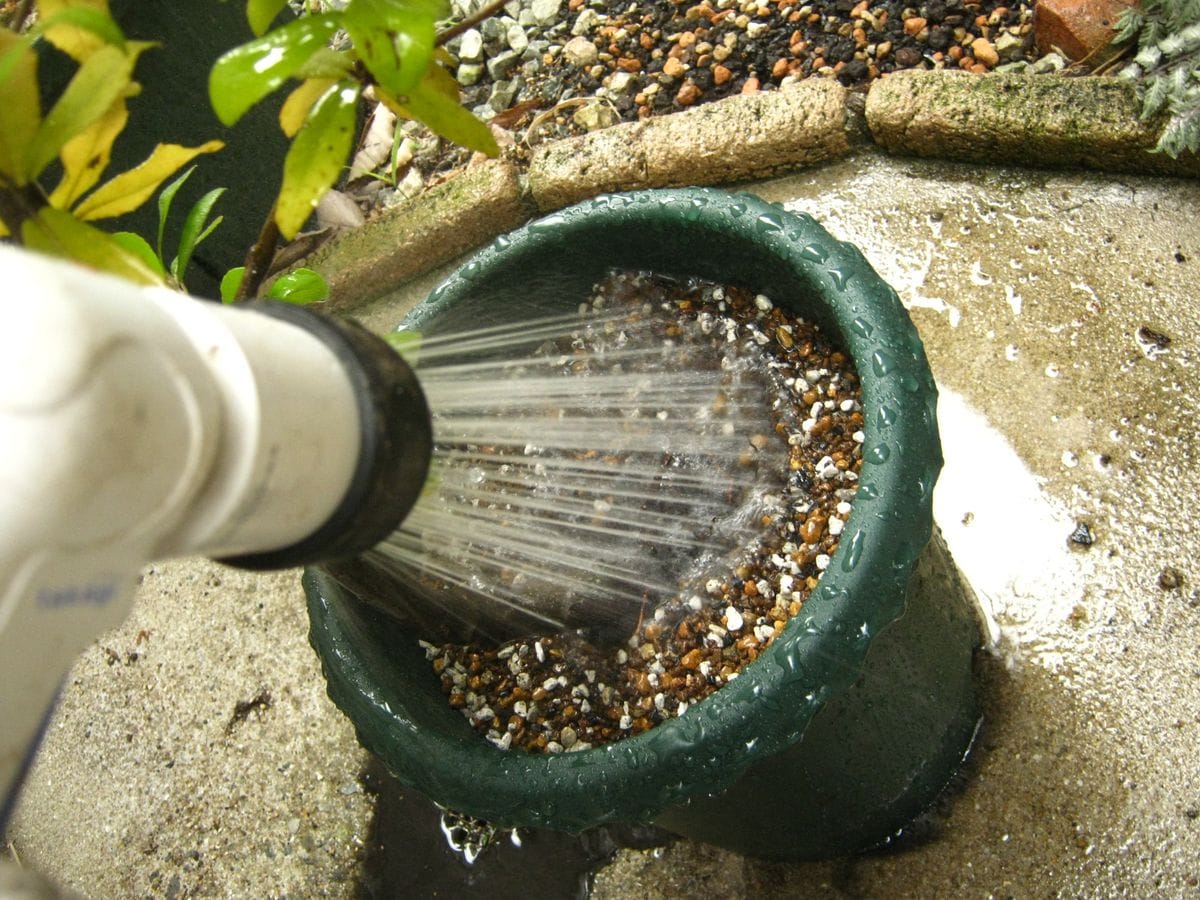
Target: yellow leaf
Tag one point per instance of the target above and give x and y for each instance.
(76, 42)
(98, 83)
(131, 189)
(86, 156)
(60, 234)
(296, 107)
(3, 229)
(21, 109)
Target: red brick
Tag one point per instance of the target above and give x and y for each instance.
(1076, 27)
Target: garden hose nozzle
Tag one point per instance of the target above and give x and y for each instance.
(140, 424)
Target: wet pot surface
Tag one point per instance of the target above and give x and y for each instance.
(855, 717)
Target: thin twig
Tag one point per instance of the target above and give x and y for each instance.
(20, 14)
(471, 21)
(258, 260)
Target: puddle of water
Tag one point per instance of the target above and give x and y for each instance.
(1008, 538)
(415, 850)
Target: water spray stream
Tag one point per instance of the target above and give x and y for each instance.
(587, 467)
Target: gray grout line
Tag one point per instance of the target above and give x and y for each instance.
(1033, 121)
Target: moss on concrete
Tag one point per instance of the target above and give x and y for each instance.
(1030, 120)
(775, 132)
(436, 227)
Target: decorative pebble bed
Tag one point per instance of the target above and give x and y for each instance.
(560, 692)
(540, 70)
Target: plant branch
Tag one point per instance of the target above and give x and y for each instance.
(470, 21)
(16, 20)
(18, 204)
(258, 260)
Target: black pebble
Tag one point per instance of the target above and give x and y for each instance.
(853, 72)
(939, 38)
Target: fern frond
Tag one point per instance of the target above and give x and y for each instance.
(1182, 133)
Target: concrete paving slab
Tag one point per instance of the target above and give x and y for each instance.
(1060, 319)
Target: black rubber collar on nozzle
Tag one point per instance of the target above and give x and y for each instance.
(396, 444)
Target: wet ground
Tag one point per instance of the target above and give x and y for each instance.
(1059, 315)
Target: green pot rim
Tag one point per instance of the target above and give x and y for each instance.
(821, 651)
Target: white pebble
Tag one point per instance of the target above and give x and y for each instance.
(539, 651)
(822, 561)
(733, 619)
(763, 303)
(843, 508)
(836, 525)
(626, 723)
(764, 633)
(504, 741)
(683, 707)
(713, 586)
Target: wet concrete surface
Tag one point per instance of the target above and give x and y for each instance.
(1059, 313)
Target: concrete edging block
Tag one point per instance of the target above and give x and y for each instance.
(445, 222)
(735, 139)
(1027, 120)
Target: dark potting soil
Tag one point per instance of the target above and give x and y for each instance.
(589, 63)
(560, 692)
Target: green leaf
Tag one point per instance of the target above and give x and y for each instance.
(1182, 133)
(60, 234)
(21, 111)
(165, 197)
(443, 115)
(316, 156)
(246, 74)
(1128, 25)
(140, 247)
(328, 65)
(131, 189)
(1156, 96)
(396, 41)
(299, 286)
(230, 283)
(195, 231)
(261, 13)
(100, 81)
(78, 31)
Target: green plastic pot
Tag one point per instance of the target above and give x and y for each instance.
(856, 717)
